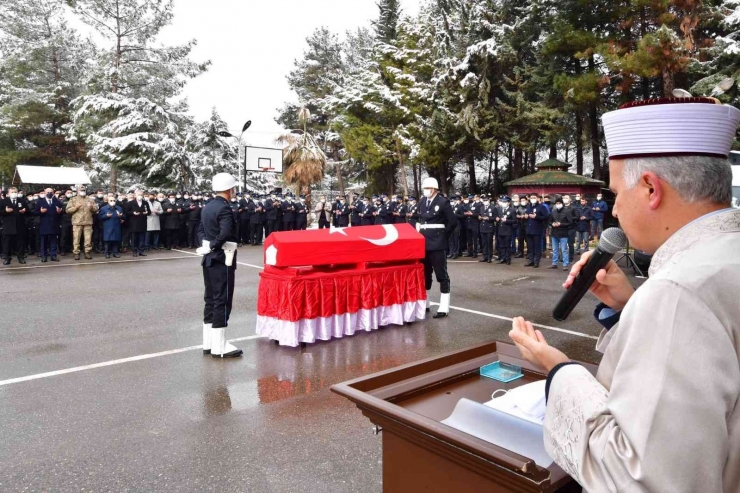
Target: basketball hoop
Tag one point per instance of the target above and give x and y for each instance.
(265, 165)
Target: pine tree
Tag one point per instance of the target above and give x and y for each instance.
(209, 152)
(386, 26)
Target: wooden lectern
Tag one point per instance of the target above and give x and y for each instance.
(420, 453)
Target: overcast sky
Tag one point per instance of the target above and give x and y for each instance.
(252, 45)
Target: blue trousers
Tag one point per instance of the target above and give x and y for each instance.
(559, 245)
(48, 245)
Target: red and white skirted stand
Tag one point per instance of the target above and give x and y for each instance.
(305, 305)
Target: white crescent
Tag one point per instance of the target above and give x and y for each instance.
(391, 235)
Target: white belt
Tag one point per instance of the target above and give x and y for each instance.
(430, 226)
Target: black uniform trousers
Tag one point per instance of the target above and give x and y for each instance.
(270, 226)
(522, 236)
(170, 238)
(300, 224)
(12, 244)
(219, 294)
(323, 223)
(245, 231)
(436, 260)
(454, 243)
(192, 234)
(256, 230)
(473, 242)
(486, 247)
(288, 225)
(504, 249)
(534, 248)
(65, 238)
(571, 244)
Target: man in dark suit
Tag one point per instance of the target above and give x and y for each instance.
(487, 227)
(506, 221)
(436, 222)
(170, 222)
(368, 212)
(341, 212)
(301, 214)
(49, 209)
(271, 209)
(136, 213)
(288, 208)
(412, 213)
(255, 221)
(386, 211)
(245, 215)
(537, 217)
(472, 212)
(217, 227)
(13, 210)
(356, 209)
(401, 211)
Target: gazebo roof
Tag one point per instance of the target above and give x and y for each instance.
(554, 172)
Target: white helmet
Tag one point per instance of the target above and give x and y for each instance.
(223, 182)
(430, 183)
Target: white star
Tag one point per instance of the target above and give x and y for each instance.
(333, 230)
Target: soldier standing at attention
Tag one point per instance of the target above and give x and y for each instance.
(217, 227)
(82, 209)
(436, 222)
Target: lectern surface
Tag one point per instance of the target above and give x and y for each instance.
(409, 403)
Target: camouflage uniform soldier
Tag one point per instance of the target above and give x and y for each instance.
(82, 209)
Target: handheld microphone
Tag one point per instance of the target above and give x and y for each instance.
(612, 241)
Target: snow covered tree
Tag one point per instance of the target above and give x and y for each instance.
(209, 152)
(386, 26)
(130, 74)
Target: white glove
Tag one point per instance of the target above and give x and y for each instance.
(205, 249)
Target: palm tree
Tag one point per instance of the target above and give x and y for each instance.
(303, 159)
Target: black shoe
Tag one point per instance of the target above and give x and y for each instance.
(440, 315)
(455, 257)
(519, 255)
(474, 256)
(508, 262)
(483, 260)
(553, 267)
(21, 260)
(206, 351)
(233, 354)
(469, 255)
(536, 266)
(489, 261)
(115, 255)
(428, 310)
(501, 261)
(529, 264)
(6, 261)
(43, 259)
(142, 254)
(450, 256)
(107, 255)
(54, 259)
(136, 254)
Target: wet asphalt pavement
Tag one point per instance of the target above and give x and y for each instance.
(184, 422)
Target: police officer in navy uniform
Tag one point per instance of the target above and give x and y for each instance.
(386, 211)
(401, 210)
(368, 212)
(472, 212)
(436, 222)
(217, 227)
(301, 214)
(487, 228)
(537, 216)
(413, 211)
(356, 210)
(506, 220)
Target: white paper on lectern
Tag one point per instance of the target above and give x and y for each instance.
(499, 428)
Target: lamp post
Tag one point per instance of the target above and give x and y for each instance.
(224, 133)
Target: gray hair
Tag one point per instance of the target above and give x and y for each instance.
(694, 178)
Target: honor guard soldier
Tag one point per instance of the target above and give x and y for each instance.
(487, 228)
(217, 236)
(436, 222)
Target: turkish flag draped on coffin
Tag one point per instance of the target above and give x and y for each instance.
(389, 242)
(378, 281)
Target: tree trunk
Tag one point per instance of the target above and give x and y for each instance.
(404, 182)
(490, 170)
(532, 163)
(510, 158)
(496, 180)
(517, 163)
(669, 84)
(443, 178)
(593, 115)
(470, 160)
(553, 150)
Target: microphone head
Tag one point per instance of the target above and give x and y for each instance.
(613, 240)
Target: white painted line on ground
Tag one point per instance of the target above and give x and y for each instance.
(85, 262)
(501, 317)
(240, 263)
(111, 363)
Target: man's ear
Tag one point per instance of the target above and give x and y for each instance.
(652, 188)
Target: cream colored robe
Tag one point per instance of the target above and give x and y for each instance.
(662, 414)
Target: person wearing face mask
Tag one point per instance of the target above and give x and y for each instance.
(65, 231)
(194, 207)
(342, 212)
(537, 215)
(49, 211)
(514, 203)
(136, 216)
(97, 237)
(368, 211)
(599, 208)
(505, 220)
(153, 223)
(111, 217)
(182, 218)
(271, 212)
(473, 212)
(569, 207)
(387, 210)
(82, 208)
(583, 213)
(255, 208)
(560, 221)
(413, 212)
(171, 222)
(288, 213)
(487, 226)
(401, 210)
(355, 208)
(13, 211)
(245, 232)
(521, 214)
(323, 212)
(436, 222)
(301, 214)
(217, 227)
